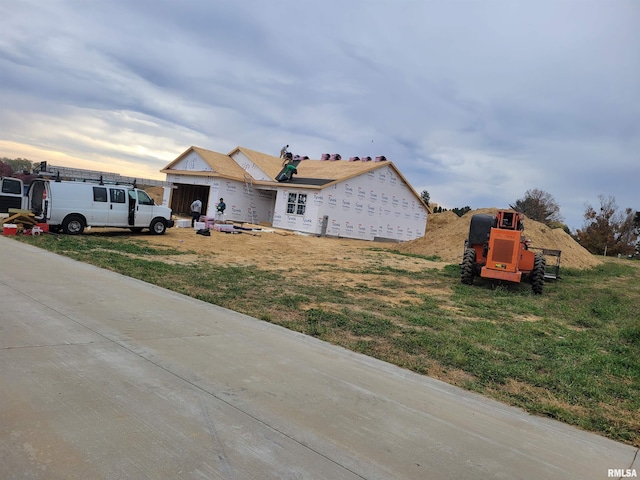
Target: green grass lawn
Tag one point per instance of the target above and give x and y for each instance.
(572, 354)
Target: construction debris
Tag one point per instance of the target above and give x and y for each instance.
(22, 222)
(20, 217)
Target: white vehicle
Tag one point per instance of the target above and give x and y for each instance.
(73, 206)
(11, 194)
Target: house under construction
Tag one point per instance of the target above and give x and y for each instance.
(364, 198)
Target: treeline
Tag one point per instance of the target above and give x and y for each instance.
(10, 166)
(457, 211)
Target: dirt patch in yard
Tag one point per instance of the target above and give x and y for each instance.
(321, 257)
(285, 251)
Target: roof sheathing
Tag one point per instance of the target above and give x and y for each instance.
(352, 169)
(267, 163)
(336, 171)
(176, 161)
(220, 164)
(331, 171)
(318, 169)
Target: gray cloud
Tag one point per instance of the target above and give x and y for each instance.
(474, 101)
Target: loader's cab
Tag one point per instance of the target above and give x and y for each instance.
(508, 220)
(479, 231)
(496, 249)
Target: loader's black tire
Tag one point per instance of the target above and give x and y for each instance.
(468, 267)
(537, 274)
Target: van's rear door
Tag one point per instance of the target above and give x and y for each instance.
(39, 199)
(11, 194)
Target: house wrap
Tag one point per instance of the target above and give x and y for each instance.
(363, 199)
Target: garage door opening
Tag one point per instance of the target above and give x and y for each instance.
(183, 196)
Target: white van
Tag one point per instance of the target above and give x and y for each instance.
(11, 194)
(72, 206)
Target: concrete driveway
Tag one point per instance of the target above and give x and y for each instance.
(103, 376)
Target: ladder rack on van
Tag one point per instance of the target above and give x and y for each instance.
(45, 170)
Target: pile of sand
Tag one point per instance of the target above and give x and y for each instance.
(446, 233)
(156, 193)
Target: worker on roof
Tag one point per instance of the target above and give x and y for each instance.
(287, 174)
(283, 151)
(288, 158)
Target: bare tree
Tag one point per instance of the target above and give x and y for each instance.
(609, 229)
(540, 206)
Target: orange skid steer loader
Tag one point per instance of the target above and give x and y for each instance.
(496, 249)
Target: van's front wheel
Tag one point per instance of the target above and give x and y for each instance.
(73, 225)
(158, 226)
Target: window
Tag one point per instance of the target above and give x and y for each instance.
(117, 195)
(297, 203)
(142, 198)
(99, 194)
(11, 186)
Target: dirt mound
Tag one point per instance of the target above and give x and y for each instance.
(156, 193)
(446, 233)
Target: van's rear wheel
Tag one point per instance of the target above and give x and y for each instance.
(158, 226)
(73, 225)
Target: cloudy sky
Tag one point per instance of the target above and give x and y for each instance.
(474, 101)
